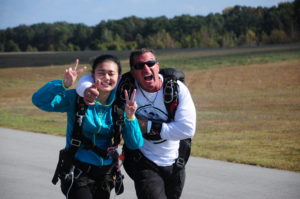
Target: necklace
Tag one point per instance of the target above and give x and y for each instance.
(151, 102)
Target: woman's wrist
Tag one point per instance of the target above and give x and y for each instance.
(67, 83)
(64, 85)
(130, 118)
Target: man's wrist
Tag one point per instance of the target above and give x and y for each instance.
(156, 127)
(154, 132)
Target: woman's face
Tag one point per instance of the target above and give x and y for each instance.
(106, 75)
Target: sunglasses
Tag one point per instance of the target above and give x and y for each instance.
(139, 66)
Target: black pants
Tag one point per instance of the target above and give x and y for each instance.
(89, 186)
(155, 182)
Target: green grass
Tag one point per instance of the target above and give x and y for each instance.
(228, 60)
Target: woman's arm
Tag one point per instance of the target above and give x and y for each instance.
(132, 133)
(52, 97)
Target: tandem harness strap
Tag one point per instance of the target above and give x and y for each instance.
(67, 161)
(171, 101)
(66, 156)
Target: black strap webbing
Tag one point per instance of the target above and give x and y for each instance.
(171, 101)
(78, 139)
(76, 142)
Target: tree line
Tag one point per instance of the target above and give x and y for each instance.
(235, 26)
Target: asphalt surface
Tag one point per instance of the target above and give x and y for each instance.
(28, 160)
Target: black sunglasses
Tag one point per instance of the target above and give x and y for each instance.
(139, 66)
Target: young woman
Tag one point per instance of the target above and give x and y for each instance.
(93, 173)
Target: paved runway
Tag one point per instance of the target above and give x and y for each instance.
(28, 160)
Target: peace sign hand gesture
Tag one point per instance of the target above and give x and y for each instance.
(72, 73)
(131, 105)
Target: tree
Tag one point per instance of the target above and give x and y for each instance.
(11, 46)
(81, 36)
(160, 40)
(236, 26)
(240, 19)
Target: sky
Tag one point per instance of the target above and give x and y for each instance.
(91, 12)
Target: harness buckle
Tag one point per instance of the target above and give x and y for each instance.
(77, 175)
(169, 92)
(80, 118)
(70, 175)
(75, 142)
(180, 162)
(113, 152)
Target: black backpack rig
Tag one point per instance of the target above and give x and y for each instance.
(170, 90)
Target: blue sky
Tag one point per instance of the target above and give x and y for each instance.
(91, 12)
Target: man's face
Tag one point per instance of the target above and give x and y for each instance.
(147, 76)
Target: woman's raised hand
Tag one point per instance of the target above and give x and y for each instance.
(72, 73)
(131, 105)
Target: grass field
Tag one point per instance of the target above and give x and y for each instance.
(248, 103)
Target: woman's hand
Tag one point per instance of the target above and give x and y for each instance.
(72, 73)
(91, 93)
(131, 105)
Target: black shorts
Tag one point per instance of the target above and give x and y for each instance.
(89, 187)
(155, 182)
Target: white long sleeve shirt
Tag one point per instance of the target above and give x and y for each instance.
(162, 152)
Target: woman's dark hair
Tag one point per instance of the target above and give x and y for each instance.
(103, 58)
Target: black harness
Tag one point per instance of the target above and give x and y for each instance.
(67, 159)
(171, 101)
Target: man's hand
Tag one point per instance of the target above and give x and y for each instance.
(143, 122)
(72, 73)
(154, 133)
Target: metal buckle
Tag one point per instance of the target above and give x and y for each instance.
(76, 176)
(80, 118)
(75, 142)
(168, 92)
(113, 152)
(70, 175)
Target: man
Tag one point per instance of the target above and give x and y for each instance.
(152, 167)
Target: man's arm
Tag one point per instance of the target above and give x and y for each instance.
(87, 89)
(184, 124)
(182, 127)
(84, 82)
